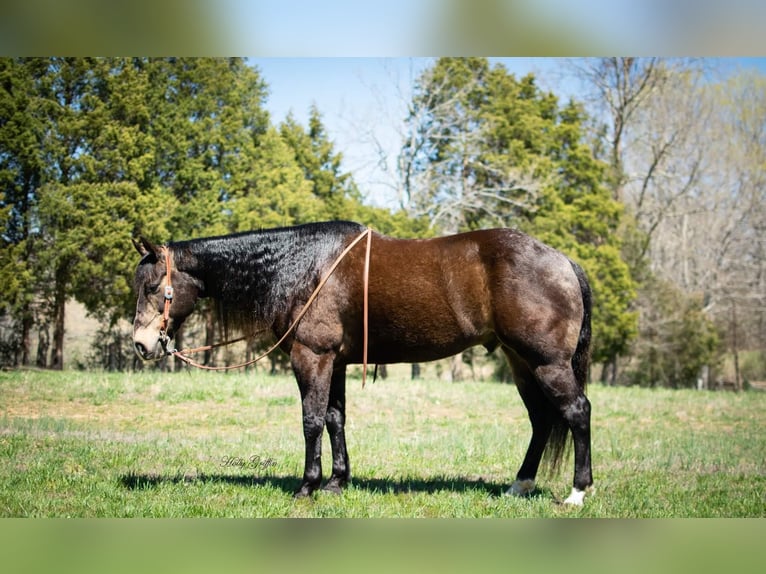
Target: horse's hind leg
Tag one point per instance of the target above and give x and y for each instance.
(559, 384)
(335, 420)
(538, 409)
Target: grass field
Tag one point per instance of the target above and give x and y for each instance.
(195, 444)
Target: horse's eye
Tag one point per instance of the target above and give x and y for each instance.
(152, 288)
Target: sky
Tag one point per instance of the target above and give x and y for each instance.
(363, 101)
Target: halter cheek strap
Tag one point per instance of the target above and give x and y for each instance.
(168, 300)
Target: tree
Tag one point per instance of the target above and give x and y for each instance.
(725, 220)
(321, 164)
(209, 117)
(22, 168)
(446, 170)
(276, 192)
(677, 339)
(125, 146)
(100, 155)
(649, 115)
(61, 89)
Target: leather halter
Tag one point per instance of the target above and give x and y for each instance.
(182, 355)
(165, 319)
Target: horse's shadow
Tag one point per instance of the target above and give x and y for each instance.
(289, 484)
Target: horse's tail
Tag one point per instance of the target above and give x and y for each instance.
(558, 441)
(581, 357)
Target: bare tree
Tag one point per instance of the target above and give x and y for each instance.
(690, 153)
(735, 228)
(617, 89)
(447, 167)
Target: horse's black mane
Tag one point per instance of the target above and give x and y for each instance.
(254, 276)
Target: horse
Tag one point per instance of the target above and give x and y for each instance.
(428, 299)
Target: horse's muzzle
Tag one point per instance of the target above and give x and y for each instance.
(151, 345)
(154, 353)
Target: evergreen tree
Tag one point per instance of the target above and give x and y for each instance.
(208, 119)
(96, 150)
(22, 169)
(315, 154)
(100, 156)
(276, 193)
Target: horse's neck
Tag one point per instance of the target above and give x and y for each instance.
(223, 263)
(268, 267)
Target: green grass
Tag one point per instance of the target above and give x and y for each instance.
(197, 444)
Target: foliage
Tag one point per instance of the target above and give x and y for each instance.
(677, 339)
(87, 225)
(276, 193)
(321, 166)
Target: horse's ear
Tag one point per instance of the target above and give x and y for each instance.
(143, 246)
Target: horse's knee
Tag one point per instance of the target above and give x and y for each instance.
(313, 425)
(334, 419)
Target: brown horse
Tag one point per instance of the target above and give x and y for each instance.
(428, 299)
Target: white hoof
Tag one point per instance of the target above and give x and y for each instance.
(576, 497)
(521, 488)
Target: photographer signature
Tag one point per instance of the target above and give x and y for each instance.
(256, 462)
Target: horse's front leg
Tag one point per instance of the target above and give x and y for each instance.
(313, 373)
(336, 421)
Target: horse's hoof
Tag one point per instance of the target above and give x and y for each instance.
(521, 488)
(304, 491)
(335, 484)
(333, 487)
(576, 497)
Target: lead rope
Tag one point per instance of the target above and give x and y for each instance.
(365, 290)
(182, 354)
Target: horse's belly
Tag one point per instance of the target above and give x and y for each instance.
(392, 353)
(426, 340)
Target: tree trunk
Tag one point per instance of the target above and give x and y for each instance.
(59, 315)
(43, 343)
(609, 372)
(457, 372)
(735, 346)
(26, 335)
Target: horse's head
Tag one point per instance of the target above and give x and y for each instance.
(165, 299)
